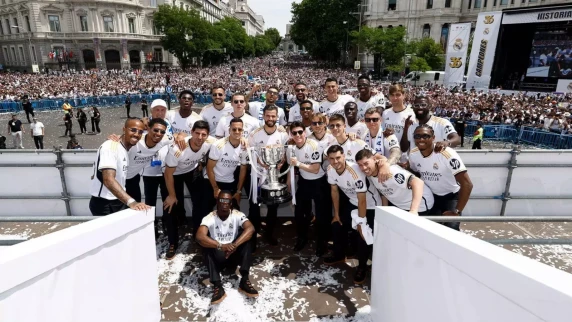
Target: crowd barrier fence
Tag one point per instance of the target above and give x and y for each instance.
(106, 101)
(506, 182)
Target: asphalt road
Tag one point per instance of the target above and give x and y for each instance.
(112, 120)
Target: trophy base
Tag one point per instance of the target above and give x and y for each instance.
(275, 196)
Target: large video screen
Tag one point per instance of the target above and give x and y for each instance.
(551, 54)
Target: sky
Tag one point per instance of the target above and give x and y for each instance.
(276, 13)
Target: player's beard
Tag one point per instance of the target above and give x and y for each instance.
(270, 123)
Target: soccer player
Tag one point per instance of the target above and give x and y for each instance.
(183, 169)
(109, 172)
(353, 125)
(346, 176)
(301, 91)
(334, 103)
(269, 135)
(183, 119)
(312, 185)
(367, 99)
(256, 109)
(337, 127)
(224, 245)
(249, 123)
(404, 190)
(212, 113)
(382, 142)
(443, 172)
(445, 134)
(394, 118)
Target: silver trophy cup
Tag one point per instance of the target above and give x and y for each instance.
(272, 192)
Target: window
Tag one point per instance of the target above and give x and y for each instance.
(131, 23)
(447, 3)
(444, 36)
(477, 4)
(503, 2)
(14, 58)
(34, 53)
(6, 57)
(426, 31)
(485, 5)
(28, 23)
(494, 3)
(22, 54)
(511, 1)
(532, 0)
(54, 23)
(8, 26)
(153, 3)
(157, 54)
(83, 23)
(1, 28)
(156, 30)
(391, 5)
(429, 4)
(470, 4)
(108, 24)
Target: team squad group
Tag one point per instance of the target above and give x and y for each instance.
(350, 155)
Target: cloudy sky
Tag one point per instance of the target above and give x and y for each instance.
(276, 13)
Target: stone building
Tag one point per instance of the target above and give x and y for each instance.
(252, 23)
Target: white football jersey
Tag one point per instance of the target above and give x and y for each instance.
(337, 107)
(187, 160)
(157, 170)
(228, 157)
(261, 138)
(351, 182)
(438, 170)
(374, 101)
(140, 155)
(396, 190)
(256, 109)
(309, 154)
(224, 232)
(212, 115)
(381, 144)
(249, 124)
(110, 155)
(441, 127)
(351, 148)
(396, 120)
(180, 124)
(296, 116)
(359, 129)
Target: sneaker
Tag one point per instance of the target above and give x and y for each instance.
(246, 288)
(218, 294)
(300, 244)
(171, 252)
(360, 275)
(331, 260)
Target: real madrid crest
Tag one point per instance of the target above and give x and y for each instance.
(435, 166)
(569, 87)
(486, 31)
(458, 45)
(349, 153)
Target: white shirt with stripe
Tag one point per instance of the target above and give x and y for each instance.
(140, 155)
(438, 170)
(351, 148)
(352, 181)
(226, 231)
(295, 114)
(309, 154)
(249, 124)
(441, 127)
(182, 124)
(228, 157)
(337, 107)
(187, 160)
(396, 120)
(381, 144)
(256, 109)
(110, 155)
(374, 101)
(212, 115)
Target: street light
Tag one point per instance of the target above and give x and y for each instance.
(29, 41)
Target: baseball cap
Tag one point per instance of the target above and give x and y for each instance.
(158, 102)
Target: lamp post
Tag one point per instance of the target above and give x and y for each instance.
(29, 41)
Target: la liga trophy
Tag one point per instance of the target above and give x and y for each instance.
(272, 192)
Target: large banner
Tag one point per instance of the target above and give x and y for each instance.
(96, 43)
(564, 86)
(483, 49)
(124, 50)
(457, 45)
(561, 14)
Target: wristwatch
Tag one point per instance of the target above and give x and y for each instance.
(458, 212)
(130, 201)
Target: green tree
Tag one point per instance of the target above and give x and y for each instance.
(388, 42)
(429, 50)
(230, 34)
(185, 33)
(274, 36)
(419, 64)
(319, 26)
(262, 45)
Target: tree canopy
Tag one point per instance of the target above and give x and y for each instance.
(186, 34)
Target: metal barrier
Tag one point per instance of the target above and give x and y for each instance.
(106, 101)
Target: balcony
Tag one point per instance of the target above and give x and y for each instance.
(91, 35)
(21, 36)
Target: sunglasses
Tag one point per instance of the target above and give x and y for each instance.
(420, 105)
(238, 101)
(421, 136)
(305, 108)
(159, 131)
(372, 119)
(317, 123)
(300, 132)
(218, 94)
(134, 130)
(300, 90)
(237, 130)
(187, 98)
(272, 93)
(224, 200)
(335, 126)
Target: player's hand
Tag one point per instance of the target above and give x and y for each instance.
(237, 196)
(114, 137)
(414, 213)
(408, 121)
(169, 202)
(450, 213)
(180, 141)
(388, 132)
(441, 145)
(244, 143)
(337, 219)
(228, 248)
(404, 165)
(293, 161)
(139, 206)
(216, 192)
(383, 172)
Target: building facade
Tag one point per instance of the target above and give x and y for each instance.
(287, 45)
(252, 23)
(432, 18)
(116, 34)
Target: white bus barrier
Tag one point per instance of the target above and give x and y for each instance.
(428, 272)
(511, 183)
(100, 270)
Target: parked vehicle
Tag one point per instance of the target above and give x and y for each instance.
(420, 78)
